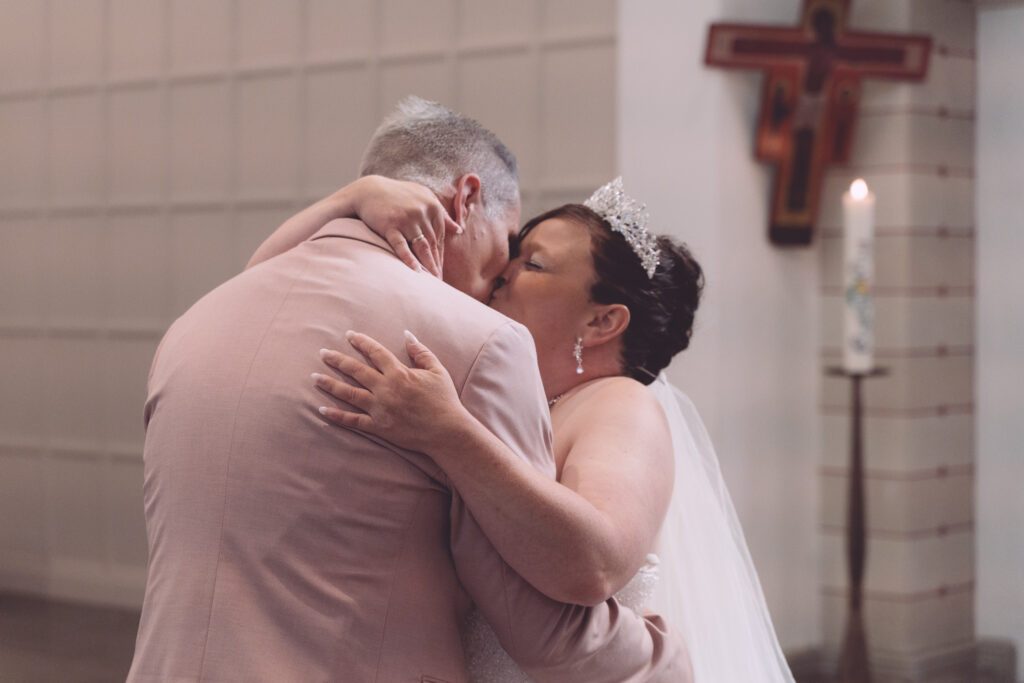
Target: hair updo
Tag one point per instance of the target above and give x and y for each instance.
(661, 308)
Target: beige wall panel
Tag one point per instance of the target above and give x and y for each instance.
(200, 36)
(942, 262)
(76, 149)
(431, 79)
(202, 255)
(950, 83)
(943, 141)
(948, 201)
(578, 110)
(341, 115)
(268, 156)
(22, 506)
(893, 137)
(71, 259)
(76, 41)
(501, 89)
(200, 140)
(74, 411)
(901, 444)
(412, 26)
(903, 511)
(25, 407)
(900, 570)
(125, 366)
(136, 141)
(136, 45)
(578, 17)
(125, 527)
(340, 29)
(899, 631)
(950, 23)
(22, 137)
(913, 384)
(881, 139)
(879, 15)
(252, 225)
(23, 57)
(22, 302)
(486, 22)
(948, 321)
(135, 274)
(76, 516)
(884, 96)
(268, 33)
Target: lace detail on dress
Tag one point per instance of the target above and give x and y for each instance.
(487, 662)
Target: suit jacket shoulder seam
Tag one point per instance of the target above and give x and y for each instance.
(480, 352)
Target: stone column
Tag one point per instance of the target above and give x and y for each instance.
(915, 147)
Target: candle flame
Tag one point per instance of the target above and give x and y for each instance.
(859, 189)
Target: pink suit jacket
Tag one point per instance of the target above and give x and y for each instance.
(285, 549)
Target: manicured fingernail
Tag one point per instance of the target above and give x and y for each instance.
(324, 353)
(322, 410)
(409, 337)
(317, 376)
(349, 335)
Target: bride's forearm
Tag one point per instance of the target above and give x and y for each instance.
(305, 223)
(552, 536)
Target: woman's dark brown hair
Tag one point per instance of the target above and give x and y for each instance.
(661, 308)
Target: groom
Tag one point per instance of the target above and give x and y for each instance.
(283, 549)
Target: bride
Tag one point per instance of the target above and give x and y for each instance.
(639, 510)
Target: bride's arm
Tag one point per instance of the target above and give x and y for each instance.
(395, 209)
(578, 541)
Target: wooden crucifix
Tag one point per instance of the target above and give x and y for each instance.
(812, 88)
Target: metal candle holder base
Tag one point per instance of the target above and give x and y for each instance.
(854, 663)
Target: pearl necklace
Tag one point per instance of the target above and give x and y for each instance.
(556, 399)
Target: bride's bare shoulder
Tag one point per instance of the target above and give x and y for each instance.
(619, 398)
(614, 418)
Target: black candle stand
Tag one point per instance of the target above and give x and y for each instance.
(854, 666)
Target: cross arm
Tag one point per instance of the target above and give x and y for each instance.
(740, 46)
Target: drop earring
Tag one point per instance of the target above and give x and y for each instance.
(577, 353)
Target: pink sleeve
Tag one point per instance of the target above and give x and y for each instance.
(552, 641)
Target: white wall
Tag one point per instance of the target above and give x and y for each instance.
(1000, 326)
(686, 148)
(148, 146)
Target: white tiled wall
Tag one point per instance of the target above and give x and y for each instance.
(148, 146)
(915, 146)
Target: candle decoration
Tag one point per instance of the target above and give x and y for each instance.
(858, 273)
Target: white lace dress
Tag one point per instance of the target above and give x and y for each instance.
(487, 662)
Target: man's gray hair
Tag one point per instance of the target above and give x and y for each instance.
(428, 143)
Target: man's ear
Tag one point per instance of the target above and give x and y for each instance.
(609, 321)
(468, 199)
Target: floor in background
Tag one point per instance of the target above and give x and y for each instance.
(54, 642)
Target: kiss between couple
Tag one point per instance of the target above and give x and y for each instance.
(490, 479)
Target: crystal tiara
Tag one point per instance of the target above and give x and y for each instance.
(629, 218)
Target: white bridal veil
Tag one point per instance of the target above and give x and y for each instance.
(708, 586)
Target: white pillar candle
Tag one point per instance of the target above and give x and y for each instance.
(858, 278)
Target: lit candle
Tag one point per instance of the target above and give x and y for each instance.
(858, 277)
